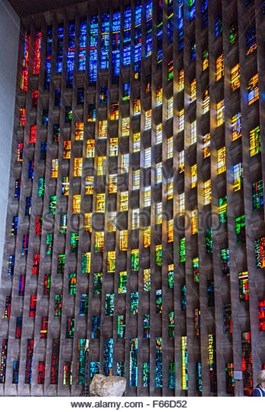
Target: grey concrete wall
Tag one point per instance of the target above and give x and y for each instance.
(9, 35)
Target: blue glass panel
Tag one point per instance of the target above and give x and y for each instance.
(48, 63)
(105, 39)
(59, 57)
(93, 49)
(82, 46)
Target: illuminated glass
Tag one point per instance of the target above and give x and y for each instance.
(126, 57)
(159, 32)
(109, 304)
(135, 260)
(48, 63)
(257, 195)
(170, 17)
(218, 26)
(233, 34)
(180, 24)
(181, 162)
(147, 237)
(193, 90)
(209, 241)
(101, 165)
(70, 327)
(219, 67)
(147, 280)
(184, 363)
(170, 275)
(148, 17)
(85, 262)
(205, 101)
(254, 141)
(105, 40)
(70, 58)
(76, 204)
(33, 134)
(235, 77)
(115, 42)
(225, 261)
(136, 142)
(25, 66)
(114, 111)
(206, 145)
(82, 45)
(259, 245)
(220, 113)
(148, 119)
(253, 89)
(222, 209)
(37, 53)
(170, 147)
(93, 49)
(212, 362)
(243, 286)
(197, 321)
(146, 374)
(205, 59)
(240, 224)
(137, 36)
(196, 269)
(236, 126)
(99, 242)
(134, 303)
(97, 283)
(194, 222)
(121, 326)
(122, 286)
(194, 175)
(133, 369)
(123, 201)
(159, 363)
(170, 70)
(180, 85)
(59, 52)
(221, 160)
(251, 40)
(182, 250)
(169, 188)
(158, 301)
(237, 177)
(193, 132)
(137, 107)
(261, 315)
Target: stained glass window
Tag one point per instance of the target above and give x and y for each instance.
(257, 195)
(259, 245)
(105, 40)
(37, 51)
(184, 363)
(148, 17)
(126, 57)
(133, 371)
(25, 67)
(236, 126)
(115, 42)
(93, 49)
(254, 141)
(82, 45)
(253, 89)
(240, 224)
(70, 60)
(59, 52)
